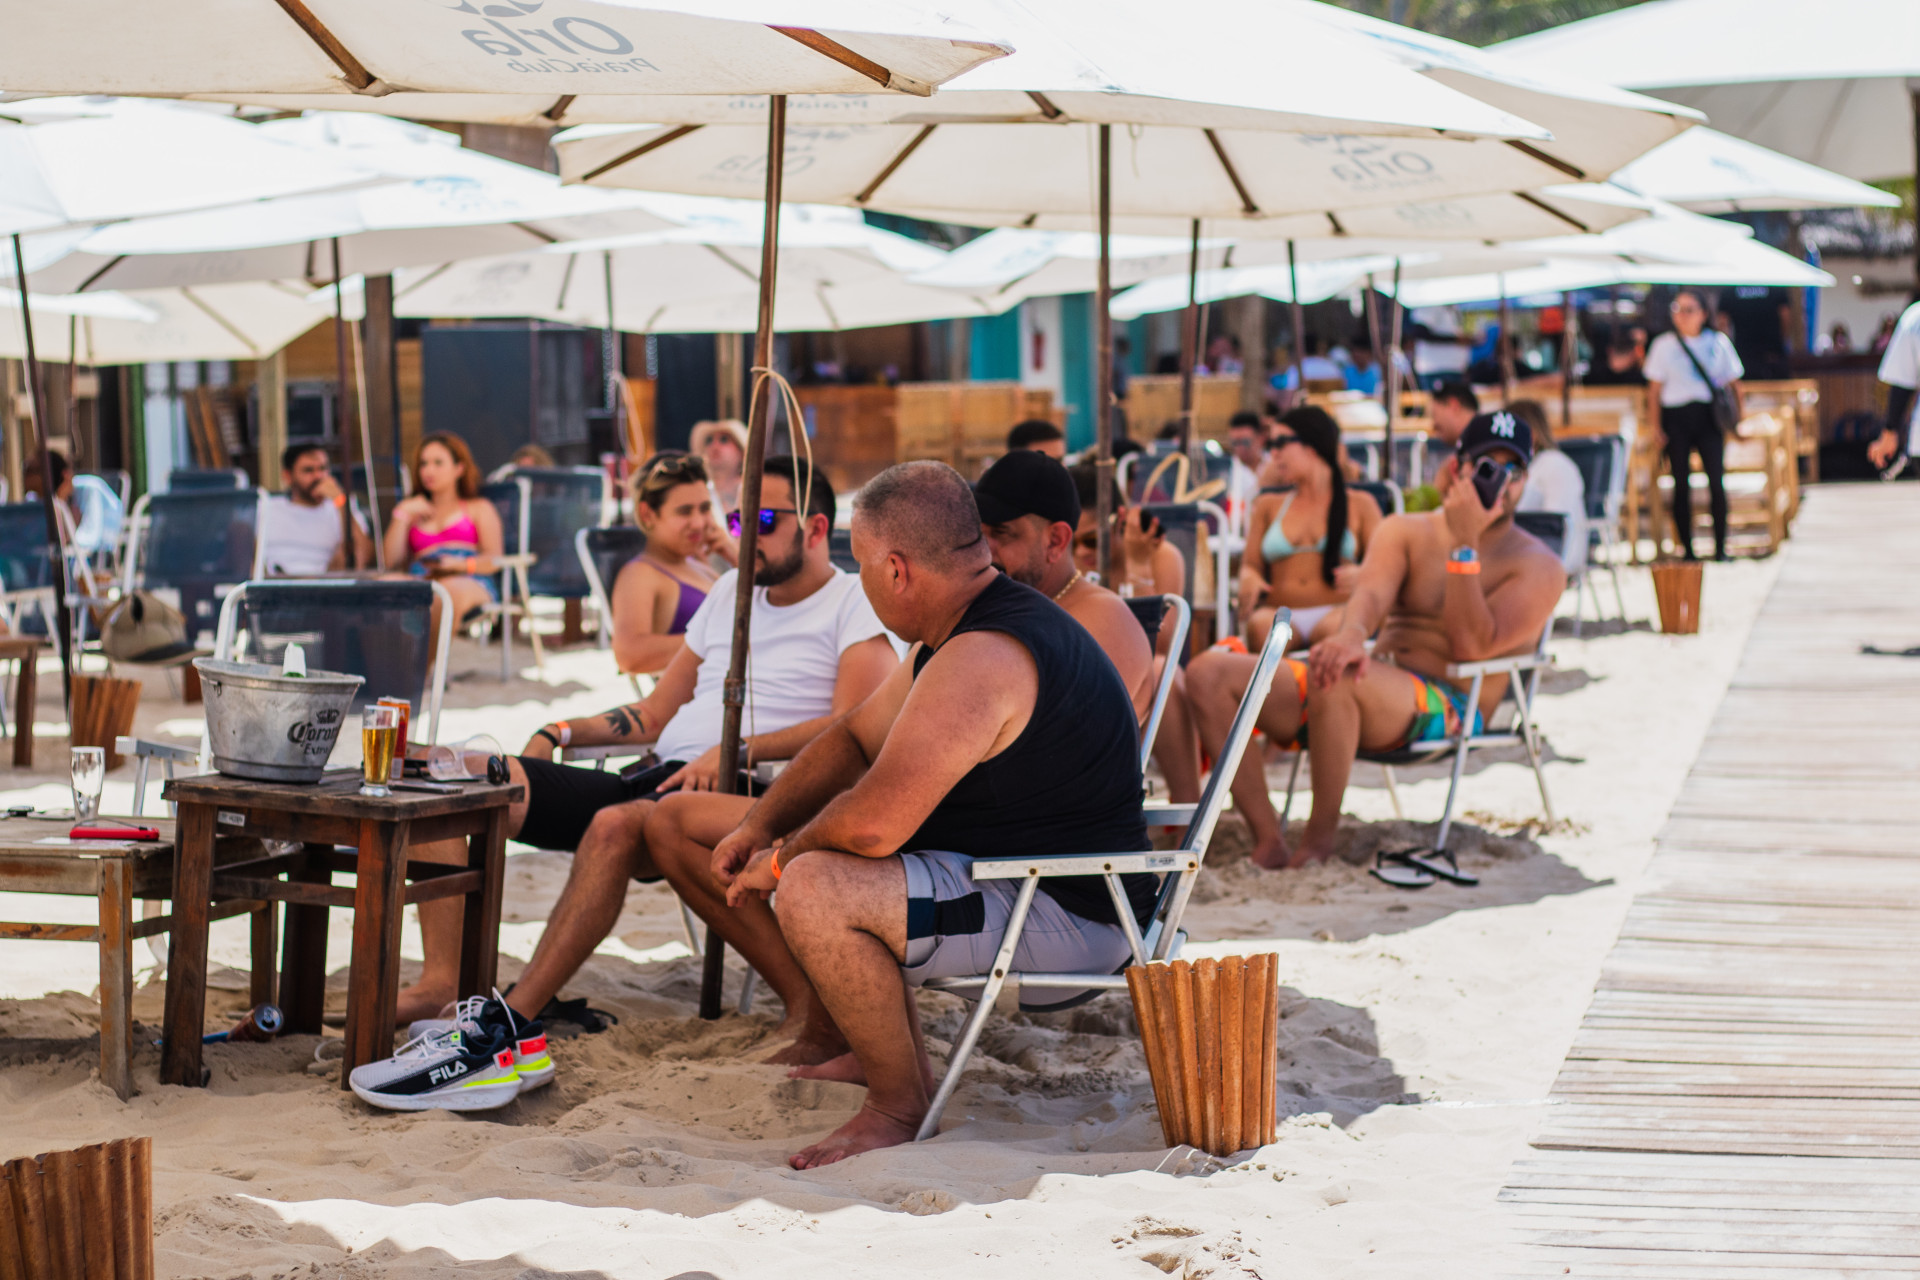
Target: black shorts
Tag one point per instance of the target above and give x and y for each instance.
(562, 799)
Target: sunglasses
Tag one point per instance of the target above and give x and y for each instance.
(769, 517)
(1282, 441)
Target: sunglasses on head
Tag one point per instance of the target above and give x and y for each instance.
(769, 517)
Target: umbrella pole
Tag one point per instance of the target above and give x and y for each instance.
(1103, 363)
(1373, 337)
(1299, 327)
(1503, 352)
(342, 416)
(1190, 341)
(1391, 370)
(63, 621)
(1569, 352)
(733, 699)
(616, 358)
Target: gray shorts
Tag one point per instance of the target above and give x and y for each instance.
(955, 925)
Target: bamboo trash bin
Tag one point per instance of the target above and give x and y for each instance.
(103, 711)
(79, 1215)
(1210, 1031)
(1676, 585)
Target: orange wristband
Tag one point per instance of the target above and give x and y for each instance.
(340, 501)
(775, 860)
(1466, 567)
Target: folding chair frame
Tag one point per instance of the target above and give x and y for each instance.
(1182, 623)
(1181, 867)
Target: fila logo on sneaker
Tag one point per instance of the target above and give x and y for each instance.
(452, 1071)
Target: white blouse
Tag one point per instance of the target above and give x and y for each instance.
(1679, 381)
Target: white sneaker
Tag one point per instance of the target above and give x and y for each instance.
(481, 1016)
(451, 1070)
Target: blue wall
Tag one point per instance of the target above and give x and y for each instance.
(1076, 363)
(993, 347)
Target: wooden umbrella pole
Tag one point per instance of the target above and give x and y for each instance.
(1503, 350)
(1190, 341)
(734, 692)
(1103, 365)
(63, 618)
(1569, 352)
(1299, 327)
(1373, 337)
(1391, 370)
(342, 401)
(616, 358)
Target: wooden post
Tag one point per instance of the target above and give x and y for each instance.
(734, 692)
(1503, 349)
(1103, 366)
(1569, 352)
(1391, 370)
(1299, 327)
(63, 616)
(1190, 341)
(383, 386)
(1373, 337)
(342, 367)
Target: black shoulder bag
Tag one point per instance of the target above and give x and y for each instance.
(1726, 406)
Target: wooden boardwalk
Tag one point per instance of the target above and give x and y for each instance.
(1743, 1097)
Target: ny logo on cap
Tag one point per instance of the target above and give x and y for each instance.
(1502, 425)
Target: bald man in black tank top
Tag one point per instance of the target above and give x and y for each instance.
(1008, 734)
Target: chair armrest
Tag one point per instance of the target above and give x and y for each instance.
(607, 752)
(1152, 862)
(518, 560)
(1498, 666)
(1164, 813)
(155, 750)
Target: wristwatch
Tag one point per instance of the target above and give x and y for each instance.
(1463, 560)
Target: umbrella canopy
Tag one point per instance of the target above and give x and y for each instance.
(519, 49)
(1738, 262)
(74, 164)
(209, 322)
(1824, 83)
(1212, 133)
(1711, 172)
(835, 273)
(437, 201)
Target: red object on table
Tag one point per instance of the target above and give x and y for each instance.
(114, 833)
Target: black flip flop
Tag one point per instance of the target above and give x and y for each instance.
(1439, 863)
(1395, 869)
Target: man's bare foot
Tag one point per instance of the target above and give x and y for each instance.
(868, 1131)
(847, 1070)
(803, 1051)
(1271, 854)
(1309, 852)
(422, 1001)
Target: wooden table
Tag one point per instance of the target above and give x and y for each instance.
(115, 873)
(320, 817)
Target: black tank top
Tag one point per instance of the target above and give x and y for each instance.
(1070, 783)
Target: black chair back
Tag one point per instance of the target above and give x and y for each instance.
(195, 480)
(1149, 612)
(25, 564)
(840, 549)
(564, 501)
(372, 628)
(197, 540)
(1180, 522)
(505, 496)
(610, 549)
(1548, 526)
(1595, 456)
(1386, 495)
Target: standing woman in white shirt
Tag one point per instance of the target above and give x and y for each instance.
(1685, 408)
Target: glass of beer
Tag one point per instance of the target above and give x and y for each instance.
(405, 711)
(379, 733)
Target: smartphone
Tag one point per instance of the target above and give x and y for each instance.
(436, 788)
(1146, 520)
(1489, 478)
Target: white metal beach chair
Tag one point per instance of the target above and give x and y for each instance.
(1162, 938)
(1182, 623)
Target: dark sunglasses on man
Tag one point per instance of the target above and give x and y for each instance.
(769, 517)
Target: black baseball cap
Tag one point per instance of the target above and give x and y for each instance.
(1490, 431)
(1026, 483)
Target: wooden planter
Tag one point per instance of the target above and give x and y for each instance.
(1676, 585)
(1210, 1033)
(79, 1215)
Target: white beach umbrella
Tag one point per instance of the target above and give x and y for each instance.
(77, 164)
(1825, 83)
(1711, 172)
(1738, 262)
(207, 322)
(509, 50)
(836, 272)
(434, 201)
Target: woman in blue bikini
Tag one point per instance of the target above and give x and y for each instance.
(657, 591)
(1287, 561)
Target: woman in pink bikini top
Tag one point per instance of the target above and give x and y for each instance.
(446, 531)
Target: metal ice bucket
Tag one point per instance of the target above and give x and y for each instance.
(270, 727)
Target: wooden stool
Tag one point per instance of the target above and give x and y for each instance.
(26, 651)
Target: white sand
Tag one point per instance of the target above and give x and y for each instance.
(1421, 1034)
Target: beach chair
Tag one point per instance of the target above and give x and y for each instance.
(1384, 492)
(1510, 724)
(513, 499)
(199, 544)
(1603, 468)
(601, 553)
(195, 480)
(1162, 938)
(373, 628)
(562, 501)
(840, 550)
(1209, 583)
(1151, 613)
(26, 564)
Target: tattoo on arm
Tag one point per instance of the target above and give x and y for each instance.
(622, 721)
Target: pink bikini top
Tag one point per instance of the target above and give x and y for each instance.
(461, 533)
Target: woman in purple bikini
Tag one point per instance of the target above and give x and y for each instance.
(657, 591)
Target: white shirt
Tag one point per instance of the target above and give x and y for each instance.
(1679, 382)
(791, 668)
(1554, 483)
(1900, 364)
(300, 539)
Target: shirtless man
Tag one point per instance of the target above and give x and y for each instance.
(1461, 584)
(1006, 734)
